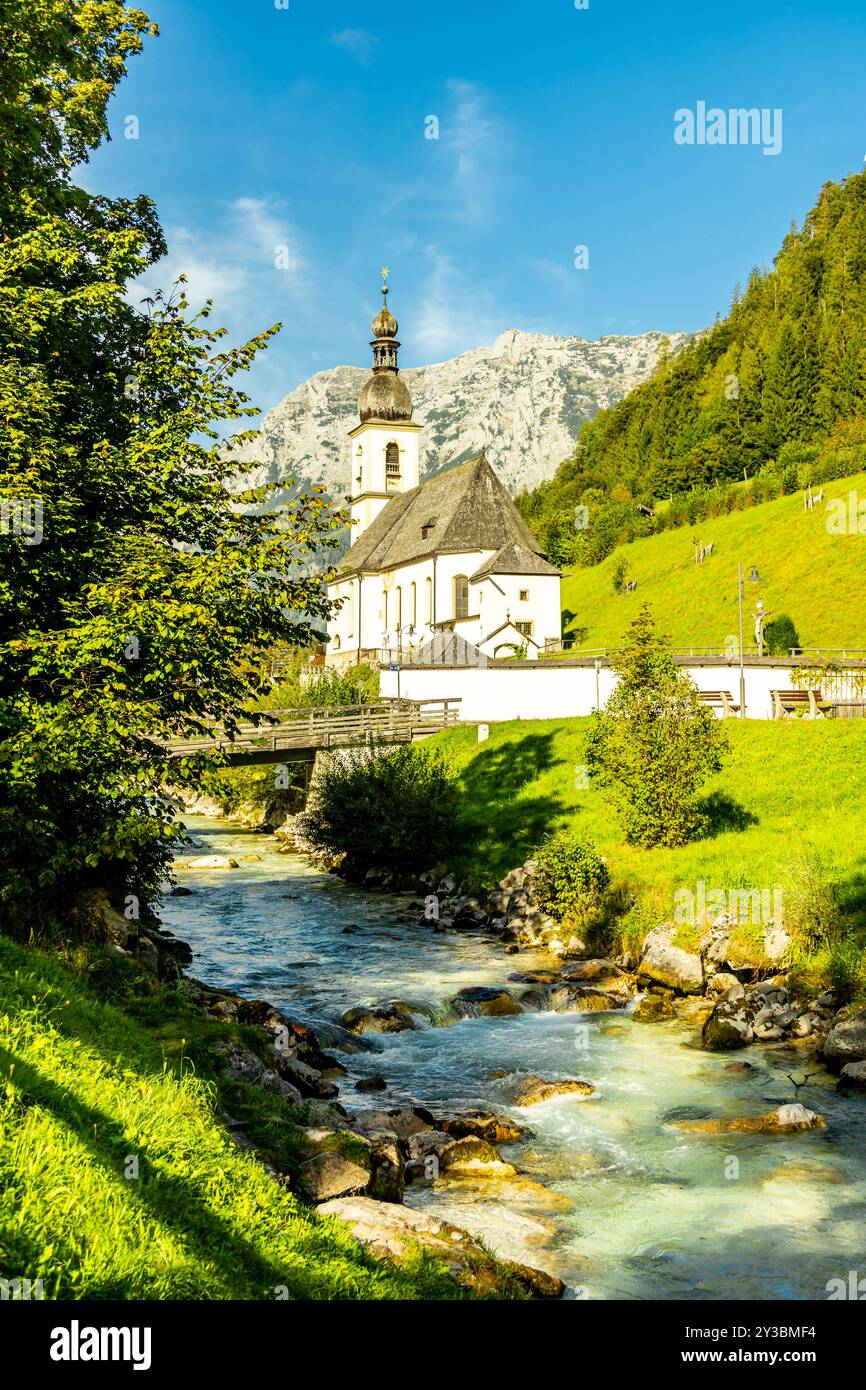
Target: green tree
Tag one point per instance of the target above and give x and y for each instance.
(138, 594)
(655, 743)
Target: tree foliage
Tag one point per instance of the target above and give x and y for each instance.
(145, 606)
(785, 370)
(655, 743)
(393, 809)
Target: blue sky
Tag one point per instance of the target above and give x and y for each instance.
(297, 135)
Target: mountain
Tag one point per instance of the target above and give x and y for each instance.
(523, 400)
(776, 387)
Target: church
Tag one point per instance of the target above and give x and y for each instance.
(451, 557)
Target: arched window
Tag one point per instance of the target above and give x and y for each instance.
(461, 596)
(413, 606)
(392, 464)
(399, 614)
(428, 607)
(385, 610)
(336, 644)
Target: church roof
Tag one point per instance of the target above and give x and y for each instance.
(515, 559)
(464, 508)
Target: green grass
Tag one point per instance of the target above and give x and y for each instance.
(84, 1084)
(791, 795)
(815, 577)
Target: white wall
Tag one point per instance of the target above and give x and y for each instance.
(561, 690)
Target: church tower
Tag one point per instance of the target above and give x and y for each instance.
(385, 446)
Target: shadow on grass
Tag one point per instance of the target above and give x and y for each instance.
(169, 1200)
(724, 815)
(499, 826)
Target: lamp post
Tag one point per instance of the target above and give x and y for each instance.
(754, 578)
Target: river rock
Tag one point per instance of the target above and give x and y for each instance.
(242, 1064)
(590, 971)
(846, 1041)
(387, 1018)
(668, 964)
(372, 1083)
(854, 1074)
(653, 1008)
(727, 1027)
(788, 1119)
(483, 999)
(722, 983)
(400, 1123)
(328, 1175)
(481, 1124)
(387, 1170)
(532, 1090)
(208, 861)
(394, 1232)
(456, 1158)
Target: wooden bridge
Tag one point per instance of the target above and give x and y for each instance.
(297, 739)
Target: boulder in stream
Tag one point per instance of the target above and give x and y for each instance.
(788, 1119)
(393, 1232)
(385, 1018)
(532, 1090)
(669, 964)
(487, 1000)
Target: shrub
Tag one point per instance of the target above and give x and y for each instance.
(655, 743)
(780, 635)
(395, 809)
(572, 880)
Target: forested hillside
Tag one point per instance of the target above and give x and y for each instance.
(778, 387)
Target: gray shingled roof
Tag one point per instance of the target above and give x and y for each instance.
(515, 559)
(466, 508)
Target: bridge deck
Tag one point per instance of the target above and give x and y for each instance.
(299, 738)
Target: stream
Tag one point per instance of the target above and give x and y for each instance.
(609, 1198)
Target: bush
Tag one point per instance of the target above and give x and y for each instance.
(780, 635)
(572, 880)
(655, 743)
(394, 809)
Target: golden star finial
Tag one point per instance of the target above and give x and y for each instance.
(385, 273)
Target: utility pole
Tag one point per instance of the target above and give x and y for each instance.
(742, 671)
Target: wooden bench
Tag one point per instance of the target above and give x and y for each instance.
(720, 699)
(793, 702)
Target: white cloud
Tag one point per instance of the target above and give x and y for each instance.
(476, 140)
(357, 42)
(452, 318)
(254, 252)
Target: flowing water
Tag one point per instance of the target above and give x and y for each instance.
(610, 1197)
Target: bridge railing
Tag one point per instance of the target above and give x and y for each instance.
(391, 721)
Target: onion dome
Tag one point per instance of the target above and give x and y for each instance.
(384, 396)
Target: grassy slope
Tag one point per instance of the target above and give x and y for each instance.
(817, 578)
(83, 1084)
(800, 787)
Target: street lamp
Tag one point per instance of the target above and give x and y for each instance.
(754, 578)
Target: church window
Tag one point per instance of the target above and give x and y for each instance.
(399, 617)
(336, 644)
(429, 600)
(413, 607)
(392, 464)
(524, 595)
(461, 596)
(385, 609)
(525, 629)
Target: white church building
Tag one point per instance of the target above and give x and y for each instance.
(449, 556)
